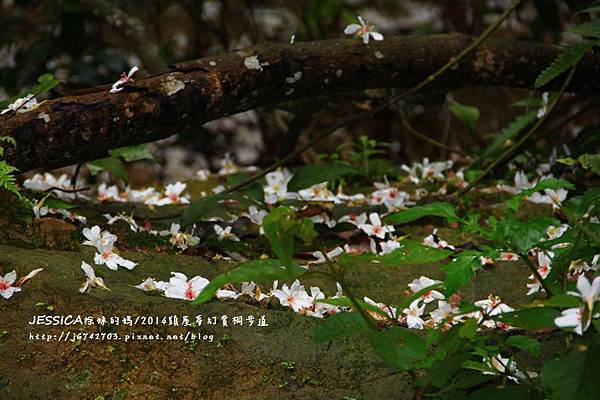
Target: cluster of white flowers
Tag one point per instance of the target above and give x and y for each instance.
(580, 318)
(46, 181)
(427, 171)
(104, 242)
(550, 196)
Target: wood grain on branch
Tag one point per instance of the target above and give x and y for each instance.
(85, 126)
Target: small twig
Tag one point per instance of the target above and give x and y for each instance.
(507, 155)
(53, 188)
(453, 61)
(422, 136)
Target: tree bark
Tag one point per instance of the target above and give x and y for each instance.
(85, 126)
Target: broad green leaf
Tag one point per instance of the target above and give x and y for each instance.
(460, 271)
(197, 209)
(339, 326)
(523, 235)
(574, 375)
(437, 209)
(468, 329)
(504, 392)
(525, 343)
(56, 203)
(468, 115)
(133, 153)
(318, 173)
(440, 372)
(398, 347)
(280, 226)
(411, 253)
(45, 83)
(562, 300)
(110, 164)
(256, 270)
(530, 318)
(564, 61)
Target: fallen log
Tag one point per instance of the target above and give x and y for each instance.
(84, 126)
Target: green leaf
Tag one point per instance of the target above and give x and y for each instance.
(8, 181)
(280, 226)
(460, 271)
(525, 343)
(468, 329)
(56, 203)
(530, 318)
(574, 375)
(411, 253)
(45, 83)
(197, 209)
(591, 162)
(440, 372)
(595, 7)
(564, 61)
(468, 115)
(339, 326)
(504, 392)
(589, 29)
(562, 300)
(437, 209)
(133, 153)
(551, 183)
(110, 164)
(398, 347)
(318, 173)
(509, 133)
(258, 271)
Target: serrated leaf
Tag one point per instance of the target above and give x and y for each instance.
(313, 174)
(588, 29)
(437, 209)
(339, 326)
(257, 270)
(133, 153)
(110, 164)
(460, 271)
(525, 343)
(509, 133)
(564, 61)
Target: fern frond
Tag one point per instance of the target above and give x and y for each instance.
(588, 29)
(7, 179)
(563, 62)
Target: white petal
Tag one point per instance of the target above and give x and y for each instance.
(352, 29)
(376, 35)
(87, 268)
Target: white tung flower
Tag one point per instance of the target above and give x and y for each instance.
(179, 287)
(294, 296)
(91, 280)
(22, 105)
(425, 282)
(116, 87)
(413, 315)
(376, 228)
(364, 31)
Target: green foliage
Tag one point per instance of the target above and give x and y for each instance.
(564, 61)
(509, 133)
(258, 271)
(535, 318)
(281, 226)
(460, 270)
(136, 152)
(319, 173)
(111, 164)
(587, 161)
(468, 115)
(574, 375)
(398, 347)
(551, 183)
(7, 178)
(115, 163)
(410, 253)
(590, 29)
(339, 326)
(437, 209)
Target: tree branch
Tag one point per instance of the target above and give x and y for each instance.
(85, 126)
